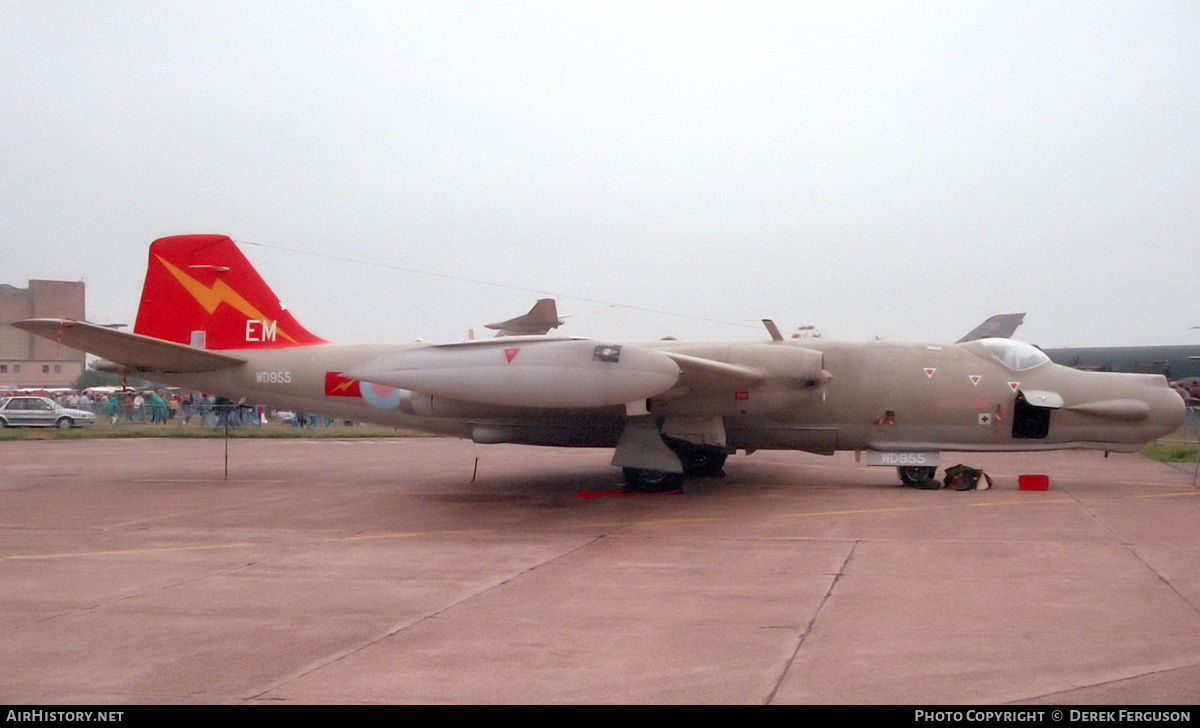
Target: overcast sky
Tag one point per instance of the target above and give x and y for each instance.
(414, 169)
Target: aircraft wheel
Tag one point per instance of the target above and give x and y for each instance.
(913, 474)
(703, 462)
(698, 461)
(639, 480)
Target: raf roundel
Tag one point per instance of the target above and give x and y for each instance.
(380, 395)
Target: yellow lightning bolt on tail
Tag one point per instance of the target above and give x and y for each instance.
(219, 293)
(344, 385)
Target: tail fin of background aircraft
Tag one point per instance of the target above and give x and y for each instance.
(201, 290)
(540, 319)
(1000, 326)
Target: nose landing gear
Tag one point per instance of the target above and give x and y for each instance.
(913, 475)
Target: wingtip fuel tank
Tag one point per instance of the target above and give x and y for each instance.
(530, 372)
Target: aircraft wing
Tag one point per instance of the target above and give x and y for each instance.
(711, 370)
(141, 353)
(704, 375)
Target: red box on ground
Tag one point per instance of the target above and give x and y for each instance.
(1033, 482)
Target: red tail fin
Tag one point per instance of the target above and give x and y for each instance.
(200, 290)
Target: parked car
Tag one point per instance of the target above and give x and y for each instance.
(41, 412)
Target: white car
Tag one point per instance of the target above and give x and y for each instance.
(41, 412)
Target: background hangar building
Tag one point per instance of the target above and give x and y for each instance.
(28, 361)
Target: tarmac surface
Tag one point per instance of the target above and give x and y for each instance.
(376, 571)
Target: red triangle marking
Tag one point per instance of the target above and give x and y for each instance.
(511, 354)
(1015, 385)
(929, 372)
(975, 379)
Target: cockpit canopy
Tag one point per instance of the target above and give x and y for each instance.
(1016, 355)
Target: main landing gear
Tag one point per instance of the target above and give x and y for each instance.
(640, 480)
(698, 462)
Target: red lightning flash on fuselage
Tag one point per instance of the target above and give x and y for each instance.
(338, 386)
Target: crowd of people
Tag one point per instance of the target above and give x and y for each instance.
(119, 407)
(1189, 389)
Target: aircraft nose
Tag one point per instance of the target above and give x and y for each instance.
(1166, 412)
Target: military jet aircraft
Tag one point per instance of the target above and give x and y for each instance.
(208, 321)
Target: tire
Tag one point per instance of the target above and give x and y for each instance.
(698, 461)
(913, 474)
(703, 462)
(639, 480)
(63, 423)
